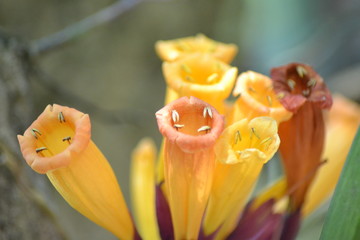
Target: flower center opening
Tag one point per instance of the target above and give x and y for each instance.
(263, 92)
(54, 137)
(202, 71)
(300, 82)
(194, 120)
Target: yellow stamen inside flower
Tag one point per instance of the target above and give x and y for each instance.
(241, 151)
(62, 148)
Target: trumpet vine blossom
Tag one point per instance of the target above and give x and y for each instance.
(212, 154)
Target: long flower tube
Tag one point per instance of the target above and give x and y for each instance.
(241, 151)
(58, 144)
(191, 128)
(303, 92)
(341, 123)
(143, 190)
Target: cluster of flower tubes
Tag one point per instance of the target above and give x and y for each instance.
(219, 130)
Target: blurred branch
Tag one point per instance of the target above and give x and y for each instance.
(69, 33)
(123, 116)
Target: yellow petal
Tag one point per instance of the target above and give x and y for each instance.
(256, 98)
(172, 50)
(58, 143)
(341, 125)
(201, 76)
(241, 151)
(143, 189)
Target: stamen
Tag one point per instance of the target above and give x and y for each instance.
(281, 95)
(254, 132)
(301, 71)
(269, 100)
(212, 78)
(175, 116)
(251, 90)
(311, 82)
(237, 136)
(306, 92)
(189, 78)
(291, 83)
(265, 140)
(34, 131)
(185, 68)
(177, 126)
(207, 111)
(204, 128)
(66, 139)
(40, 149)
(61, 117)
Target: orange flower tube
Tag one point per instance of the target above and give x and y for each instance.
(191, 128)
(58, 144)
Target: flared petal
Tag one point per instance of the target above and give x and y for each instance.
(191, 128)
(201, 76)
(241, 151)
(58, 143)
(143, 189)
(172, 50)
(255, 98)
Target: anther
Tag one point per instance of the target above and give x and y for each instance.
(185, 68)
(190, 79)
(66, 139)
(291, 83)
(207, 111)
(212, 78)
(269, 100)
(34, 131)
(306, 92)
(40, 149)
(177, 126)
(61, 117)
(204, 128)
(311, 82)
(301, 71)
(281, 95)
(237, 137)
(254, 132)
(175, 116)
(251, 89)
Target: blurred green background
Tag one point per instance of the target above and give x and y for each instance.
(113, 73)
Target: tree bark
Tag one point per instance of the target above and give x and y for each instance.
(23, 214)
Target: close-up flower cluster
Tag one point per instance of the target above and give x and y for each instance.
(219, 129)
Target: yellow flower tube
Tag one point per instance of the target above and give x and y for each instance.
(341, 124)
(172, 50)
(256, 98)
(241, 151)
(143, 189)
(191, 128)
(58, 144)
(201, 76)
